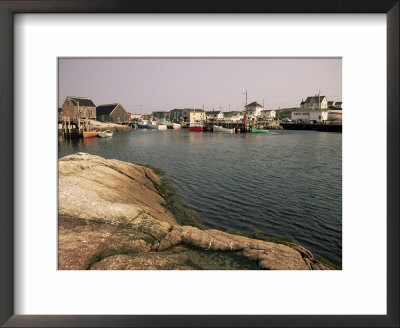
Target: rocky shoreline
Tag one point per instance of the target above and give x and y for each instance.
(112, 217)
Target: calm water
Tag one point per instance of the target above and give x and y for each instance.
(283, 183)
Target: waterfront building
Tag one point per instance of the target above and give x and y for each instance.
(338, 104)
(214, 115)
(331, 104)
(160, 115)
(114, 113)
(78, 107)
(310, 116)
(314, 102)
(253, 110)
(268, 114)
(136, 116)
(188, 115)
(335, 115)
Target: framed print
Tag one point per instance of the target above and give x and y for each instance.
(174, 67)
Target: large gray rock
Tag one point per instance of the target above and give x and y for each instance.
(108, 190)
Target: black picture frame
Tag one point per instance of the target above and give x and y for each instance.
(10, 7)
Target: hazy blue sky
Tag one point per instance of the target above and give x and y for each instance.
(164, 84)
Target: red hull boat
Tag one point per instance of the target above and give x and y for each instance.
(196, 127)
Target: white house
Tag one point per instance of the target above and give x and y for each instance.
(253, 110)
(238, 117)
(136, 116)
(316, 102)
(310, 115)
(268, 114)
(214, 115)
(235, 118)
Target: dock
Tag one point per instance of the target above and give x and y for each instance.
(74, 128)
(315, 126)
(244, 127)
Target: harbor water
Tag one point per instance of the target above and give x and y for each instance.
(282, 183)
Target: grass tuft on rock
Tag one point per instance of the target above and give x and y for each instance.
(323, 260)
(156, 170)
(173, 201)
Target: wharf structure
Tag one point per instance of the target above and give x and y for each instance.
(312, 126)
(80, 114)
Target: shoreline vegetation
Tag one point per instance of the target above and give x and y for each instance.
(120, 215)
(173, 201)
(186, 217)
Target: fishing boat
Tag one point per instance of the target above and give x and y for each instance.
(142, 124)
(157, 126)
(196, 127)
(174, 126)
(106, 134)
(221, 129)
(90, 134)
(152, 125)
(254, 130)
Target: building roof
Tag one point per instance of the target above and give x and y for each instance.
(309, 110)
(268, 110)
(338, 102)
(83, 101)
(214, 112)
(105, 109)
(254, 104)
(331, 102)
(314, 98)
(189, 109)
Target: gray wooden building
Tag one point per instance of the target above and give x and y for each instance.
(114, 113)
(78, 107)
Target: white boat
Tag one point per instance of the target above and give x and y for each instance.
(142, 124)
(221, 129)
(106, 134)
(152, 125)
(173, 126)
(157, 126)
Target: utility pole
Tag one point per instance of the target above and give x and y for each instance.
(246, 97)
(263, 103)
(319, 99)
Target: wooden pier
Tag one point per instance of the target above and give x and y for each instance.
(244, 127)
(73, 128)
(315, 126)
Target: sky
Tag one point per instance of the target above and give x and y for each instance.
(143, 85)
